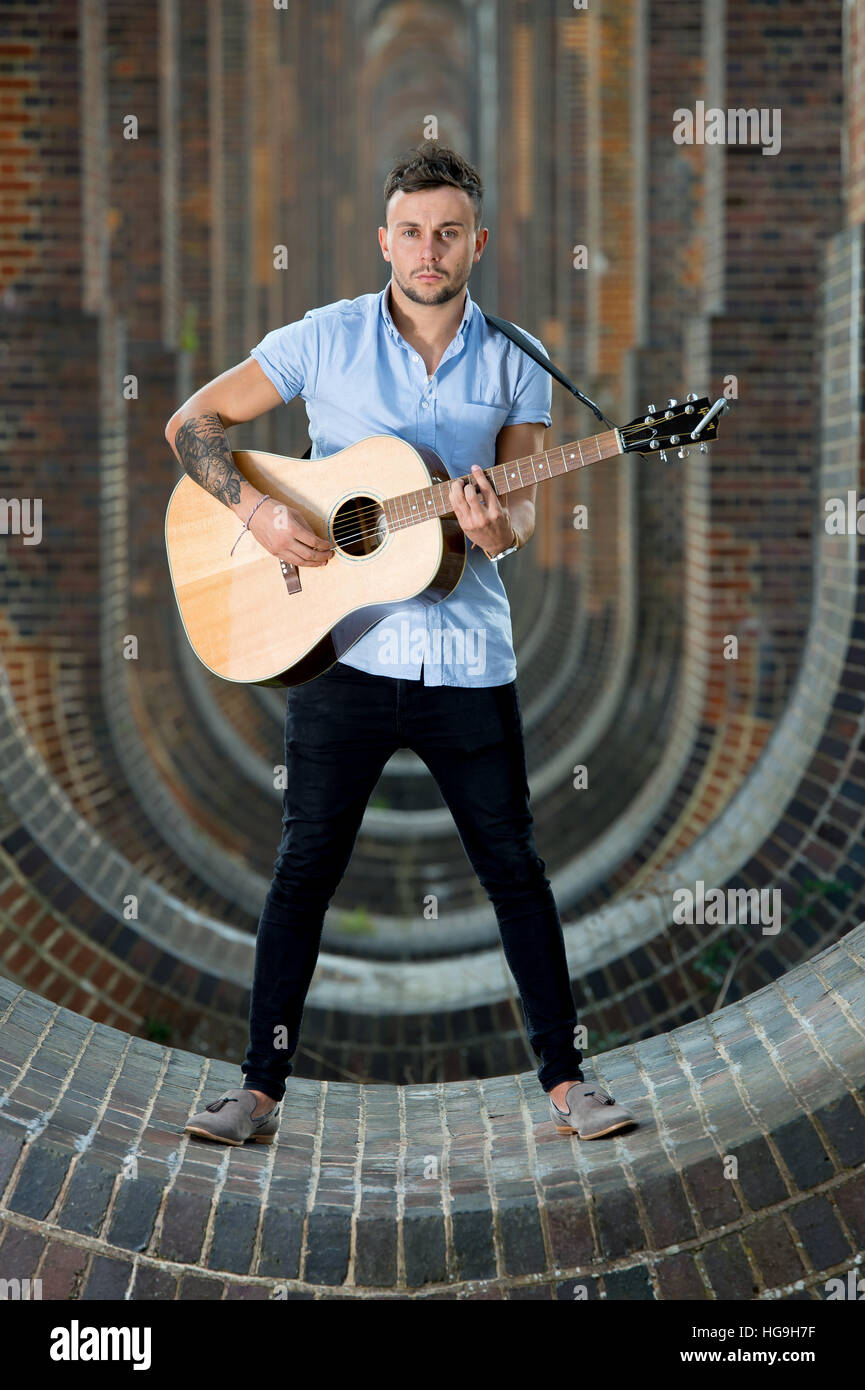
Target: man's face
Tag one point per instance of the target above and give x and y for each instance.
(431, 243)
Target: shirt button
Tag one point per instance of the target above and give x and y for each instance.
(415, 358)
(425, 405)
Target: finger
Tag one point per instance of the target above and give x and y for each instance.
(303, 536)
(306, 538)
(305, 557)
(458, 501)
(471, 496)
(463, 515)
(465, 501)
(487, 490)
(308, 554)
(296, 528)
(306, 561)
(482, 482)
(474, 504)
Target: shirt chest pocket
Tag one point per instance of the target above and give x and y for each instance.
(474, 435)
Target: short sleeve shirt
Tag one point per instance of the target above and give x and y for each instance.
(358, 376)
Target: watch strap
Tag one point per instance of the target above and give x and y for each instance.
(510, 550)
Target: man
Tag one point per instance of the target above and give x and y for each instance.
(417, 360)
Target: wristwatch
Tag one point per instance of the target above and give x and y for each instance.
(510, 550)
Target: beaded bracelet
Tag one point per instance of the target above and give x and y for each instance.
(249, 519)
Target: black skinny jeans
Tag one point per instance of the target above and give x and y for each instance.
(340, 730)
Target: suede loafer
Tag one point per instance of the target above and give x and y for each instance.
(229, 1120)
(590, 1112)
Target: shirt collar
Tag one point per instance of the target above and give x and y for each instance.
(468, 310)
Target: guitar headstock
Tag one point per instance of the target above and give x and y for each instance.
(675, 426)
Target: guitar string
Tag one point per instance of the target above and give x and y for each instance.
(363, 515)
(398, 523)
(624, 430)
(366, 513)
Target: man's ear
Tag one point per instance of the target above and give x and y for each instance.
(382, 241)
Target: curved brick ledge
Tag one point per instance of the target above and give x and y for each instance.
(448, 1191)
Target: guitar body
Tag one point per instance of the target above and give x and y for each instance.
(250, 621)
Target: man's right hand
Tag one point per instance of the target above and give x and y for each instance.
(286, 534)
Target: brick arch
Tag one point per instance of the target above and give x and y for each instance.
(408, 54)
(80, 838)
(373, 13)
(744, 1180)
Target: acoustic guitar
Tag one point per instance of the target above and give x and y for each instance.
(384, 505)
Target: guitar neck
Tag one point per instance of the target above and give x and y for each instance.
(412, 507)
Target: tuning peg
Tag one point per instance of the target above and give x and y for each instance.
(704, 448)
(691, 396)
(663, 456)
(672, 401)
(652, 409)
(654, 444)
(674, 439)
(683, 453)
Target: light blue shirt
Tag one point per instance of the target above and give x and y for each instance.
(358, 376)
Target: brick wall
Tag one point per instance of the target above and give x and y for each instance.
(631, 612)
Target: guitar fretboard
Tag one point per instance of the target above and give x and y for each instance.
(412, 507)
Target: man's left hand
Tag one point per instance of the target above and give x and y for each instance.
(481, 515)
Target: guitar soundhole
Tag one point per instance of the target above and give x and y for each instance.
(359, 526)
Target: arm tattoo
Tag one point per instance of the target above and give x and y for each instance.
(202, 446)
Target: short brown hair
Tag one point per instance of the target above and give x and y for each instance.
(429, 165)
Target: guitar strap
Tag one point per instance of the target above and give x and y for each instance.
(511, 331)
